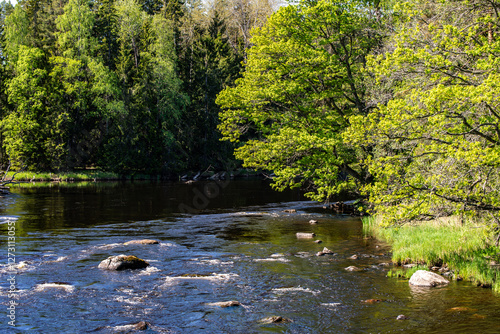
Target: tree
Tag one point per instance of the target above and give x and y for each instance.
(437, 133)
(302, 81)
(29, 135)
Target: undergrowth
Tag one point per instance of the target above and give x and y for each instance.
(466, 249)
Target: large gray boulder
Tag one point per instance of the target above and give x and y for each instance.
(427, 278)
(122, 262)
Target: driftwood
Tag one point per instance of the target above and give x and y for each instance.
(4, 181)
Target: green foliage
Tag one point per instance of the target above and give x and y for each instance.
(302, 80)
(437, 136)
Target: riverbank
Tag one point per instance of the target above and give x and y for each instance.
(84, 175)
(96, 175)
(468, 250)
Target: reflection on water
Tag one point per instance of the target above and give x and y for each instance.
(240, 247)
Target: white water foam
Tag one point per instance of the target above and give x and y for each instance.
(172, 280)
(331, 305)
(272, 259)
(296, 289)
(61, 286)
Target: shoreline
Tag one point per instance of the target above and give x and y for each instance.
(464, 252)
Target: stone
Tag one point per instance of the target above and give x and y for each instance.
(354, 257)
(230, 303)
(318, 241)
(301, 235)
(313, 222)
(140, 326)
(275, 320)
(372, 301)
(290, 210)
(142, 242)
(478, 316)
(427, 278)
(402, 317)
(409, 265)
(324, 252)
(353, 268)
(461, 309)
(123, 262)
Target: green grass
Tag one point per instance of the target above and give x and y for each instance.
(89, 175)
(467, 250)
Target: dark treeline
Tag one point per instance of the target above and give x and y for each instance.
(123, 85)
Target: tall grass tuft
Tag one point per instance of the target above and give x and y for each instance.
(466, 249)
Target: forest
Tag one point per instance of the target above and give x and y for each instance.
(121, 85)
(393, 101)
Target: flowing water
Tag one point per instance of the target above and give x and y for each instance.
(218, 242)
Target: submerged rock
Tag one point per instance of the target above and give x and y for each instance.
(122, 262)
(142, 242)
(290, 211)
(427, 278)
(140, 326)
(353, 268)
(461, 309)
(230, 303)
(371, 301)
(301, 235)
(276, 319)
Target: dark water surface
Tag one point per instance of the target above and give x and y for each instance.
(218, 242)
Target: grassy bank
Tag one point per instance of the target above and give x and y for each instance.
(87, 175)
(84, 175)
(468, 250)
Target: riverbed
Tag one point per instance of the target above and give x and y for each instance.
(218, 241)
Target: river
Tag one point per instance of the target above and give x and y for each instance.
(233, 240)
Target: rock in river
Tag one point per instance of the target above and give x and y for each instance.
(353, 268)
(324, 252)
(301, 235)
(230, 303)
(142, 242)
(427, 278)
(122, 262)
(277, 319)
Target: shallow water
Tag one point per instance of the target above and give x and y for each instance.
(235, 243)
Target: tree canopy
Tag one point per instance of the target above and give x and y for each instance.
(302, 81)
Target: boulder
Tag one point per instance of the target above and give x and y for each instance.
(142, 242)
(301, 235)
(122, 262)
(427, 278)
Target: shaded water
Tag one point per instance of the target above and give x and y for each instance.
(234, 243)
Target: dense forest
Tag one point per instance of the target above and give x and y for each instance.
(122, 85)
(394, 101)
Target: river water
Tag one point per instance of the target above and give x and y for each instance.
(218, 242)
